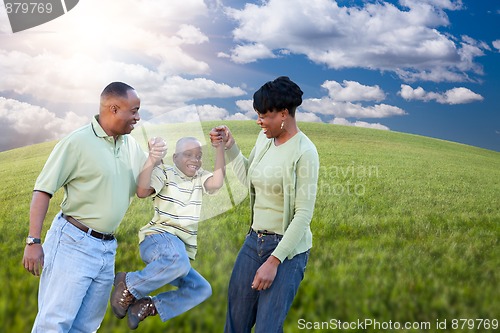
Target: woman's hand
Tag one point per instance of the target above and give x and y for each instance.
(221, 134)
(266, 273)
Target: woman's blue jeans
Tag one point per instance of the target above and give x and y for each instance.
(266, 309)
(167, 262)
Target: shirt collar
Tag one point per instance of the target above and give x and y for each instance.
(98, 130)
(184, 176)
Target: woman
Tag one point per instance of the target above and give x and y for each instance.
(281, 174)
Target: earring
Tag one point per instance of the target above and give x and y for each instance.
(282, 124)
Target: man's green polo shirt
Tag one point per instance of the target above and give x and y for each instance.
(98, 175)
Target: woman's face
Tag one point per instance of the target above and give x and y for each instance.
(270, 122)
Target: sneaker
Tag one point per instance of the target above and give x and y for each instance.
(139, 311)
(120, 298)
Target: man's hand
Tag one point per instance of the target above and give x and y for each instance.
(157, 150)
(33, 259)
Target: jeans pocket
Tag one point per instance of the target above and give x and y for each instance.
(71, 235)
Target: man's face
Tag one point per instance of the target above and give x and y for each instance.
(126, 113)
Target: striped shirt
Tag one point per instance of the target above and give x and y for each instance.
(177, 205)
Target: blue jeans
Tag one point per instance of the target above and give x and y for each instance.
(266, 309)
(167, 262)
(76, 280)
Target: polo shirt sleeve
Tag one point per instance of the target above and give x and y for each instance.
(59, 167)
(158, 179)
(204, 175)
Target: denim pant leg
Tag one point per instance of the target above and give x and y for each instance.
(275, 302)
(167, 262)
(192, 290)
(266, 309)
(76, 280)
(242, 299)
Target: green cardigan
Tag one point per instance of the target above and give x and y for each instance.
(300, 182)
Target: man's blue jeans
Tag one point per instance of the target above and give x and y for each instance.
(267, 309)
(167, 262)
(76, 280)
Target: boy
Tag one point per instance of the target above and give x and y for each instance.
(168, 242)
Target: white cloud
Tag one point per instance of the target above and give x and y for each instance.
(377, 36)
(453, 96)
(307, 116)
(24, 124)
(243, 54)
(496, 44)
(211, 112)
(345, 122)
(327, 106)
(238, 116)
(352, 91)
(246, 107)
(339, 101)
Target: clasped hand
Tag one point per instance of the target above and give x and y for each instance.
(157, 149)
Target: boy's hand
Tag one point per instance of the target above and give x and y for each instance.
(221, 134)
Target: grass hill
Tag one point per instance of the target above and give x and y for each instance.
(406, 230)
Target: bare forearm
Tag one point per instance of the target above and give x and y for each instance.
(220, 166)
(38, 211)
(217, 180)
(144, 188)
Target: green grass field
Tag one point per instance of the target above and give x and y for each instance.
(406, 230)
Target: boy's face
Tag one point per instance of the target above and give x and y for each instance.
(188, 158)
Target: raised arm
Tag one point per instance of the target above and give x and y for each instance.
(157, 150)
(215, 182)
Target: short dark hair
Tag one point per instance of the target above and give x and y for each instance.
(282, 93)
(116, 89)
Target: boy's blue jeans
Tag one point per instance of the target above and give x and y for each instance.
(167, 262)
(266, 309)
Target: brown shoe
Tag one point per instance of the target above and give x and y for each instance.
(120, 298)
(139, 311)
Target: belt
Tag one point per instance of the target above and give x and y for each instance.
(262, 233)
(85, 229)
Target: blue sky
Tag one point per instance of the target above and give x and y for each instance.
(426, 67)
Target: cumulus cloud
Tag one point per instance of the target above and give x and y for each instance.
(211, 112)
(380, 35)
(326, 106)
(345, 122)
(307, 116)
(143, 54)
(453, 96)
(69, 60)
(24, 124)
(339, 102)
(496, 44)
(352, 91)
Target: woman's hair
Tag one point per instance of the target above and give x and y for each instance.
(282, 93)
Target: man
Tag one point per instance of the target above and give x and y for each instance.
(97, 165)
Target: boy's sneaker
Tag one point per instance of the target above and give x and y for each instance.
(138, 311)
(120, 298)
